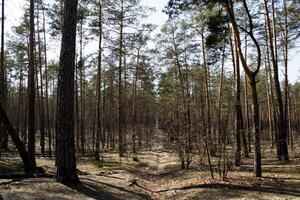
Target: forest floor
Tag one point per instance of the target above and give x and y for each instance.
(156, 175)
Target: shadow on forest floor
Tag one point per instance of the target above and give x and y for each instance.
(157, 175)
(102, 190)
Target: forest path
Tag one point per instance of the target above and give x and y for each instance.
(161, 178)
(156, 175)
(115, 181)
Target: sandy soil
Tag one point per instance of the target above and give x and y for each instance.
(156, 175)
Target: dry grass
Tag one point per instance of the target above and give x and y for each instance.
(158, 176)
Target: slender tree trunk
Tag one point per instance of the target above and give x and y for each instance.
(207, 99)
(271, 129)
(82, 89)
(256, 131)
(247, 110)
(125, 100)
(220, 135)
(46, 84)
(287, 102)
(77, 118)
(21, 101)
(42, 108)
(134, 109)
(31, 90)
(120, 90)
(99, 112)
(239, 123)
(282, 128)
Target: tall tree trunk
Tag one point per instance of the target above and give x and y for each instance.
(120, 90)
(239, 123)
(77, 118)
(183, 88)
(65, 146)
(271, 126)
(247, 110)
(252, 78)
(99, 112)
(221, 134)
(42, 108)
(21, 101)
(282, 128)
(125, 99)
(207, 100)
(82, 90)
(46, 84)
(31, 89)
(287, 103)
(256, 131)
(134, 103)
(3, 95)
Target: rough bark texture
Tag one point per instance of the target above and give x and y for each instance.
(3, 95)
(65, 145)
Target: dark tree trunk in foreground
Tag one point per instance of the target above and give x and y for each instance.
(3, 98)
(65, 145)
(31, 90)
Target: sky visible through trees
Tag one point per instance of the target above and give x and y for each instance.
(14, 13)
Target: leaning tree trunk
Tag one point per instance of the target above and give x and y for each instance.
(29, 166)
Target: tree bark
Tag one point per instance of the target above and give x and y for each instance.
(29, 166)
(252, 78)
(46, 84)
(3, 95)
(120, 90)
(65, 146)
(31, 89)
(99, 112)
(282, 127)
(42, 108)
(207, 100)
